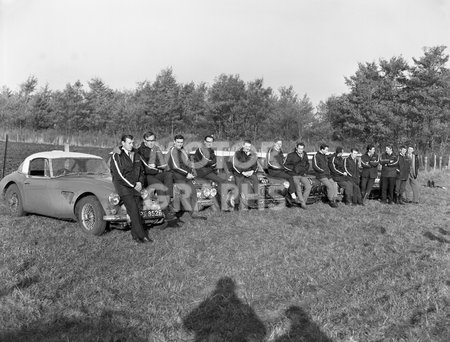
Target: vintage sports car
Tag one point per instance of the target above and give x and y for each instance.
(71, 185)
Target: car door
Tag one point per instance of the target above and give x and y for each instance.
(35, 186)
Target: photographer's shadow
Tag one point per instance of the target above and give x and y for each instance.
(223, 317)
(302, 328)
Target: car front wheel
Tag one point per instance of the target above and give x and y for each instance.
(14, 201)
(90, 213)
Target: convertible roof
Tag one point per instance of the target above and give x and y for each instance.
(53, 155)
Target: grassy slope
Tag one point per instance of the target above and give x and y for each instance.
(376, 273)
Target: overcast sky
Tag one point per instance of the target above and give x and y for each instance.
(309, 44)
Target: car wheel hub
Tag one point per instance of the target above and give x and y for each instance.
(13, 203)
(88, 216)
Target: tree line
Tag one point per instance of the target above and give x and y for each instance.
(388, 101)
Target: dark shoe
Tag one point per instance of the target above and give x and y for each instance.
(170, 215)
(137, 240)
(333, 204)
(296, 201)
(198, 217)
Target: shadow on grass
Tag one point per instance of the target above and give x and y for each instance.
(103, 328)
(302, 328)
(223, 317)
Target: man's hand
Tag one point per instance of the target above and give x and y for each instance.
(190, 176)
(138, 186)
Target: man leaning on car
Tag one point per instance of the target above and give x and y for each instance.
(156, 171)
(127, 179)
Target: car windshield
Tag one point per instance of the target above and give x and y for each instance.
(70, 166)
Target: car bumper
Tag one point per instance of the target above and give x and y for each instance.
(126, 218)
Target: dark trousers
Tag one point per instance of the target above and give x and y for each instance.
(132, 204)
(162, 182)
(366, 185)
(187, 195)
(348, 189)
(242, 180)
(387, 188)
(284, 175)
(356, 198)
(400, 187)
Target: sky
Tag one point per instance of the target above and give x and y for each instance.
(309, 44)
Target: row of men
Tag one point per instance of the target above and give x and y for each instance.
(357, 177)
(132, 169)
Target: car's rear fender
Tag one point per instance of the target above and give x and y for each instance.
(7, 185)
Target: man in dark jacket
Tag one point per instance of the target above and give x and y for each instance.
(320, 166)
(297, 164)
(352, 168)
(412, 177)
(276, 168)
(389, 162)
(340, 175)
(127, 179)
(245, 166)
(183, 176)
(156, 170)
(403, 168)
(369, 164)
(205, 165)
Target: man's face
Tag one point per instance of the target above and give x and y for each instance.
(128, 144)
(247, 147)
(277, 145)
(208, 142)
(403, 151)
(150, 141)
(354, 154)
(300, 149)
(410, 150)
(372, 151)
(325, 150)
(179, 143)
(388, 150)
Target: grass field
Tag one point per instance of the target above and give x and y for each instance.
(373, 273)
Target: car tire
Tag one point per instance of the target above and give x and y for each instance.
(90, 213)
(14, 201)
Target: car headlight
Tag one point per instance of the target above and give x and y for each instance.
(206, 192)
(144, 193)
(114, 198)
(199, 193)
(213, 192)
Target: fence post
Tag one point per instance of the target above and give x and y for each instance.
(440, 163)
(426, 163)
(434, 164)
(4, 157)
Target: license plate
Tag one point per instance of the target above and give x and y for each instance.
(151, 213)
